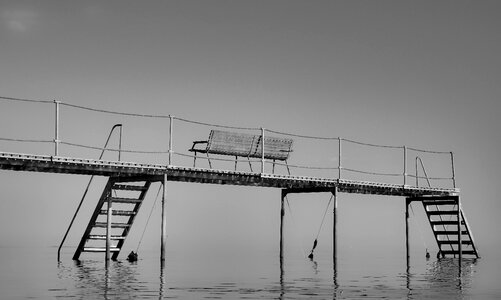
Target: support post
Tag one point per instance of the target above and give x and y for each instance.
(407, 256)
(460, 250)
(334, 227)
(262, 150)
(56, 129)
(171, 129)
(282, 214)
(163, 241)
(108, 231)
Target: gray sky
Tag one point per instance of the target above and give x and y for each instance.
(424, 74)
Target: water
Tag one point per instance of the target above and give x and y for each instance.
(27, 273)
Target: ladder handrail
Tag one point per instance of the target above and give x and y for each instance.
(88, 185)
(436, 206)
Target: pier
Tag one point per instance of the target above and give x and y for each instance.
(232, 156)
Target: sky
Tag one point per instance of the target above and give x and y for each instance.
(423, 74)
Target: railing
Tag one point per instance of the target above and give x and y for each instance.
(335, 150)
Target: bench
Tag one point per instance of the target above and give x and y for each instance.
(243, 145)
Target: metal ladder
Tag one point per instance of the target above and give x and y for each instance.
(126, 195)
(443, 213)
(447, 221)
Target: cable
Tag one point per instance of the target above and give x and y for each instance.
(25, 100)
(294, 224)
(148, 220)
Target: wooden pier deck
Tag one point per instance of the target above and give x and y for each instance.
(51, 164)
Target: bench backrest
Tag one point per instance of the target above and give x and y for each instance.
(248, 145)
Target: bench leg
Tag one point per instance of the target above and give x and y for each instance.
(288, 171)
(273, 169)
(250, 164)
(236, 160)
(195, 160)
(208, 159)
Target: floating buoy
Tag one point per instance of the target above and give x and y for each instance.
(132, 256)
(427, 254)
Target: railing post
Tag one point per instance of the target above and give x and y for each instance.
(453, 170)
(405, 166)
(171, 129)
(339, 166)
(120, 144)
(56, 131)
(262, 150)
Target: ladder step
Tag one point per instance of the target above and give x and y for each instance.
(126, 187)
(434, 198)
(113, 225)
(118, 212)
(467, 242)
(100, 249)
(103, 237)
(125, 200)
(444, 222)
(439, 202)
(464, 252)
(451, 232)
(442, 212)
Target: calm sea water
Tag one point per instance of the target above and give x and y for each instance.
(31, 273)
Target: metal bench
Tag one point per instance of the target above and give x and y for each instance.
(243, 145)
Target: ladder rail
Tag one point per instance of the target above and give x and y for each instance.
(88, 186)
(436, 206)
(470, 235)
(104, 197)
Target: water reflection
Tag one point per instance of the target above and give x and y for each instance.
(308, 278)
(442, 277)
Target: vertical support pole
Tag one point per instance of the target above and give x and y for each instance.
(281, 261)
(334, 242)
(163, 240)
(171, 129)
(460, 250)
(334, 226)
(405, 166)
(56, 130)
(108, 231)
(339, 165)
(453, 171)
(282, 214)
(407, 256)
(262, 150)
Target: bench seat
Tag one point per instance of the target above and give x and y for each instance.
(243, 145)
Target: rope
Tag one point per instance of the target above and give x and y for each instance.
(217, 125)
(114, 112)
(323, 218)
(113, 150)
(373, 145)
(428, 151)
(419, 228)
(148, 220)
(371, 173)
(25, 100)
(303, 136)
(432, 178)
(25, 140)
(294, 224)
